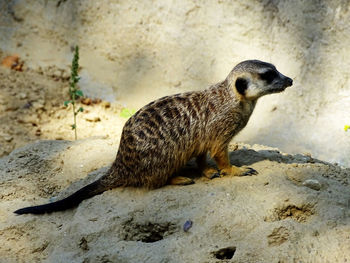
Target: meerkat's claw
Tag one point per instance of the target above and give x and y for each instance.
(238, 171)
(249, 171)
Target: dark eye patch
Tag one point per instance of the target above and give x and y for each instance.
(269, 76)
(241, 85)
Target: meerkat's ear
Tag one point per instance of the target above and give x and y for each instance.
(241, 85)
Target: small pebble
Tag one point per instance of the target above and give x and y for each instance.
(307, 154)
(57, 73)
(38, 132)
(106, 104)
(86, 101)
(27, 105)
(96, 101)
(38, 105)
(312, 184)
(188, 224)
(8, 138)
(22, 96)
(92, 118)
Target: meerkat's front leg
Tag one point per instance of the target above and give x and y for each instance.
(222, 160)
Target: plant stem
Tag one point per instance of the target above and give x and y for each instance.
(74, 91)
(75, 119)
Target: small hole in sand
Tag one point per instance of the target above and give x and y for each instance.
(148, 232)
(224, 253)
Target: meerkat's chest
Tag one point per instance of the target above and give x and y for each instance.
(236, 118)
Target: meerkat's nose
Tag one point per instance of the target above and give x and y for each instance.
(289, 82)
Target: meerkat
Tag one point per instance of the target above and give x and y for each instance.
(165, 134)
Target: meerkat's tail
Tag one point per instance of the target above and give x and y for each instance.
(71, 201)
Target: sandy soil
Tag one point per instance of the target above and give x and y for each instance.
(296, 210)
(31, 108)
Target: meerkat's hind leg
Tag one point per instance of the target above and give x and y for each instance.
(203, 167)
(222, 160)
(180, 180)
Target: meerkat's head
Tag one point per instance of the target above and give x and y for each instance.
(252, 79)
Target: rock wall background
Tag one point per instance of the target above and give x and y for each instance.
(135, 51)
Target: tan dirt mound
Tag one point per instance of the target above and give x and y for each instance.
(297, 209)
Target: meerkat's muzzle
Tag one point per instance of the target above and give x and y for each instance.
(288, 82)
(283, 83)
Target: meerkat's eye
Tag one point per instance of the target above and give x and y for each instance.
(268, 76)
(241, 85)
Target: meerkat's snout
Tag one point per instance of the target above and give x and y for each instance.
(289, 82)
(279, 84)
(286, 81)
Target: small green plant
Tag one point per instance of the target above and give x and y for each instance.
(127, 113)
(74, 91)
(346, 127)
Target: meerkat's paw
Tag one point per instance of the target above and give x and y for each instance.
(238, 171)
(181, 180)
(248, 171)
(211, 173)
